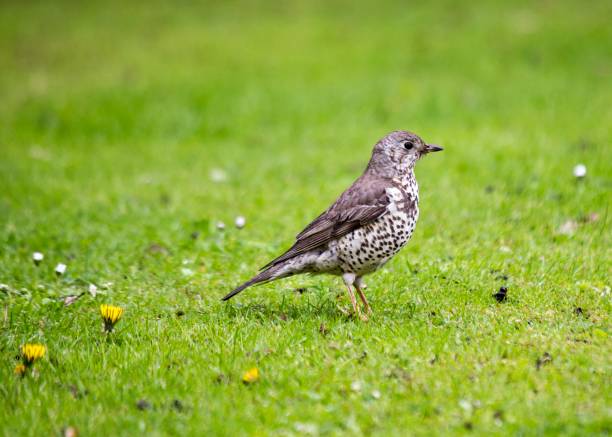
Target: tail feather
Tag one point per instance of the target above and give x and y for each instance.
(265, 276)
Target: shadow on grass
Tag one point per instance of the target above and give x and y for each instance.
(297, 310)
(316, 306)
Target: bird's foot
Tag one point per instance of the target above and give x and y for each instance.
(349, 313)
(343, 310)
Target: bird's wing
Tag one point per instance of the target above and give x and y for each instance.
(363, 202)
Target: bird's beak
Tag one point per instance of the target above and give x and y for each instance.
(432, 148)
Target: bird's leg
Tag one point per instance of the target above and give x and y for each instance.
(353, 300)
(366, 305)
(360, 286)
(349, 279)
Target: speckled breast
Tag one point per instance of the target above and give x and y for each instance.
(368, 248)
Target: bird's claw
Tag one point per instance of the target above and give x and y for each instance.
(343, 311)
(352, 314)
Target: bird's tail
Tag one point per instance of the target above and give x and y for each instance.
(265, 276)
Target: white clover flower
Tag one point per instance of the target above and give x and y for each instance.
(37, 257)
(356, 386)
(306, 428)
(60, 269)
(187, 272)
(240, 222)
(217, 175)
(568, 228)
(580, 171)
(466, 405)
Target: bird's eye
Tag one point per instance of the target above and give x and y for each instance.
(408, 145)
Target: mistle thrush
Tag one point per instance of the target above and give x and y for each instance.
(362, 230)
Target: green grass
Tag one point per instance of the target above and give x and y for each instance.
(112, 119)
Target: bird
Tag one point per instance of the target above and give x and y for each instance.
(364, 228)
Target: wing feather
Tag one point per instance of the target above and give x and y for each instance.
(365, 201)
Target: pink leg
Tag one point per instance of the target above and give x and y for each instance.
(349, 279)
(360, 286)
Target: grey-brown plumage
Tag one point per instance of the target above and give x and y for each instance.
(368, 224)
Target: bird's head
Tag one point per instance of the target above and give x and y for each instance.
(397, 153)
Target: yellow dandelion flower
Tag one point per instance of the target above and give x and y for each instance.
(251, 376)
(32, 352)
(20, 369)
(111, 315)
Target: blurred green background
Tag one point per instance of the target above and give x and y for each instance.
(117, 119)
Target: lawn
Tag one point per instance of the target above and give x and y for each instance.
(128, 131)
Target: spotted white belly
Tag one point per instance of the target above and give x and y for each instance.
(369, 248)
